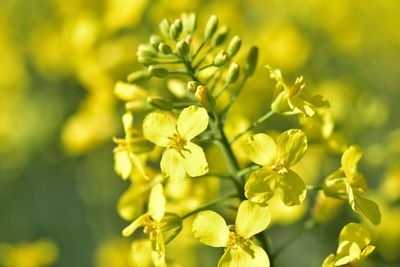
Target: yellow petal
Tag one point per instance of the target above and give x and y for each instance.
(130, 229)
(211, 229)
(364, 206)
(194, 160)
(293, 189)
(254, 256)
(122, 164)
(261, 186)
(355, 232)
(261, 149)
(172, 165)
(158, 251)
(157, 202)
(131, 203)
(292, 146)
(251, 219)
(192, 121)
(350, 160)
(329, 261)
(158, 126)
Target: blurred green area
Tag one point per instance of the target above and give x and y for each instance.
(60, 59)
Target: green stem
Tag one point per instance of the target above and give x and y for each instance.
(252, 126)
(307, 225)
(221, 90)
(198, 50)
(244, 171)
(314, 187)
(206, 66)
(210, 204)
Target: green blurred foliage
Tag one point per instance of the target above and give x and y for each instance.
(59, 61)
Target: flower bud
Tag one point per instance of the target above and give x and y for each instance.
(155, 40)
(211, 27)
(251, 61)
(127, 121)
(192, 85)
(138, 106)
(158, 71)
(204, 97)
(164, 27)
(178, 25)
(145, 50)
(160, 102)
(233, 73)
(220, 37)
(128, 92)
(174, 32)
(147, 60)
(164, 48)
(139, 75)
(182, 48)
(189, 22)
(220, 58)
(234, 46)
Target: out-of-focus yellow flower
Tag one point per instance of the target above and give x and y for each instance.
(353, 247)
(123, 13)
(211, 229)
(114, 253)
(37, 254)
(181, 156)
(348, 184)
(276, 159)
(292, 99)
(326, 208)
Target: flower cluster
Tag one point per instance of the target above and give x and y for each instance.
(165, 153)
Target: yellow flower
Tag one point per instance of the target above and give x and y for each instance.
(181, 156)
(211, 229)
(276, 159)
(157, 224)
(348, 184)
(353, 247)
(293, 99)
(127, 154)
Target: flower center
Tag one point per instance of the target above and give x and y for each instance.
(236, 241)
(151, 228)
(178, 143)
(279, 166)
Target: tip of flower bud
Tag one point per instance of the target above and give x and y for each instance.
(220, 58)
(211, 27)
(192, 85)
(234, 46)
(160, 102)
(233, 73)
(158, 71)
(204, 97)
(251, 62)
(182, 48)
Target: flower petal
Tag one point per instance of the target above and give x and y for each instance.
(261, 186)
(157, 202)
(355, 232)
(261, 149)
(293, 189)
(251, 218)
(122, 164)
(251, 257)
(364, 206)
(292, 146)
(172, 165)
(192, 121)
(211, 229)
(350, 159)
(194, 160)
(158, 126)
(158, 251)
(130, 229)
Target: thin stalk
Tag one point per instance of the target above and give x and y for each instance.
(198, 49)
(252, 126)
(307, 225)
(210, 204)
(314, 187)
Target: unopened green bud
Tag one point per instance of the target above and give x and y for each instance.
(158, 71)
(147, 60)
(234, 46)
(155, 40)
(160, 102)
(145, 50)
(164, 48)
(233, 73)
(192, 85)
(182, 48)
(220, 59)
(251, 61)
(211, 27)
(189, 22)
(164, 27)
(139, 75)
(204, 97)
(178, 25)
(174, 32)
(138, 106)
(220, 37)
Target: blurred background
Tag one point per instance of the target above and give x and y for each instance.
(59, 61)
